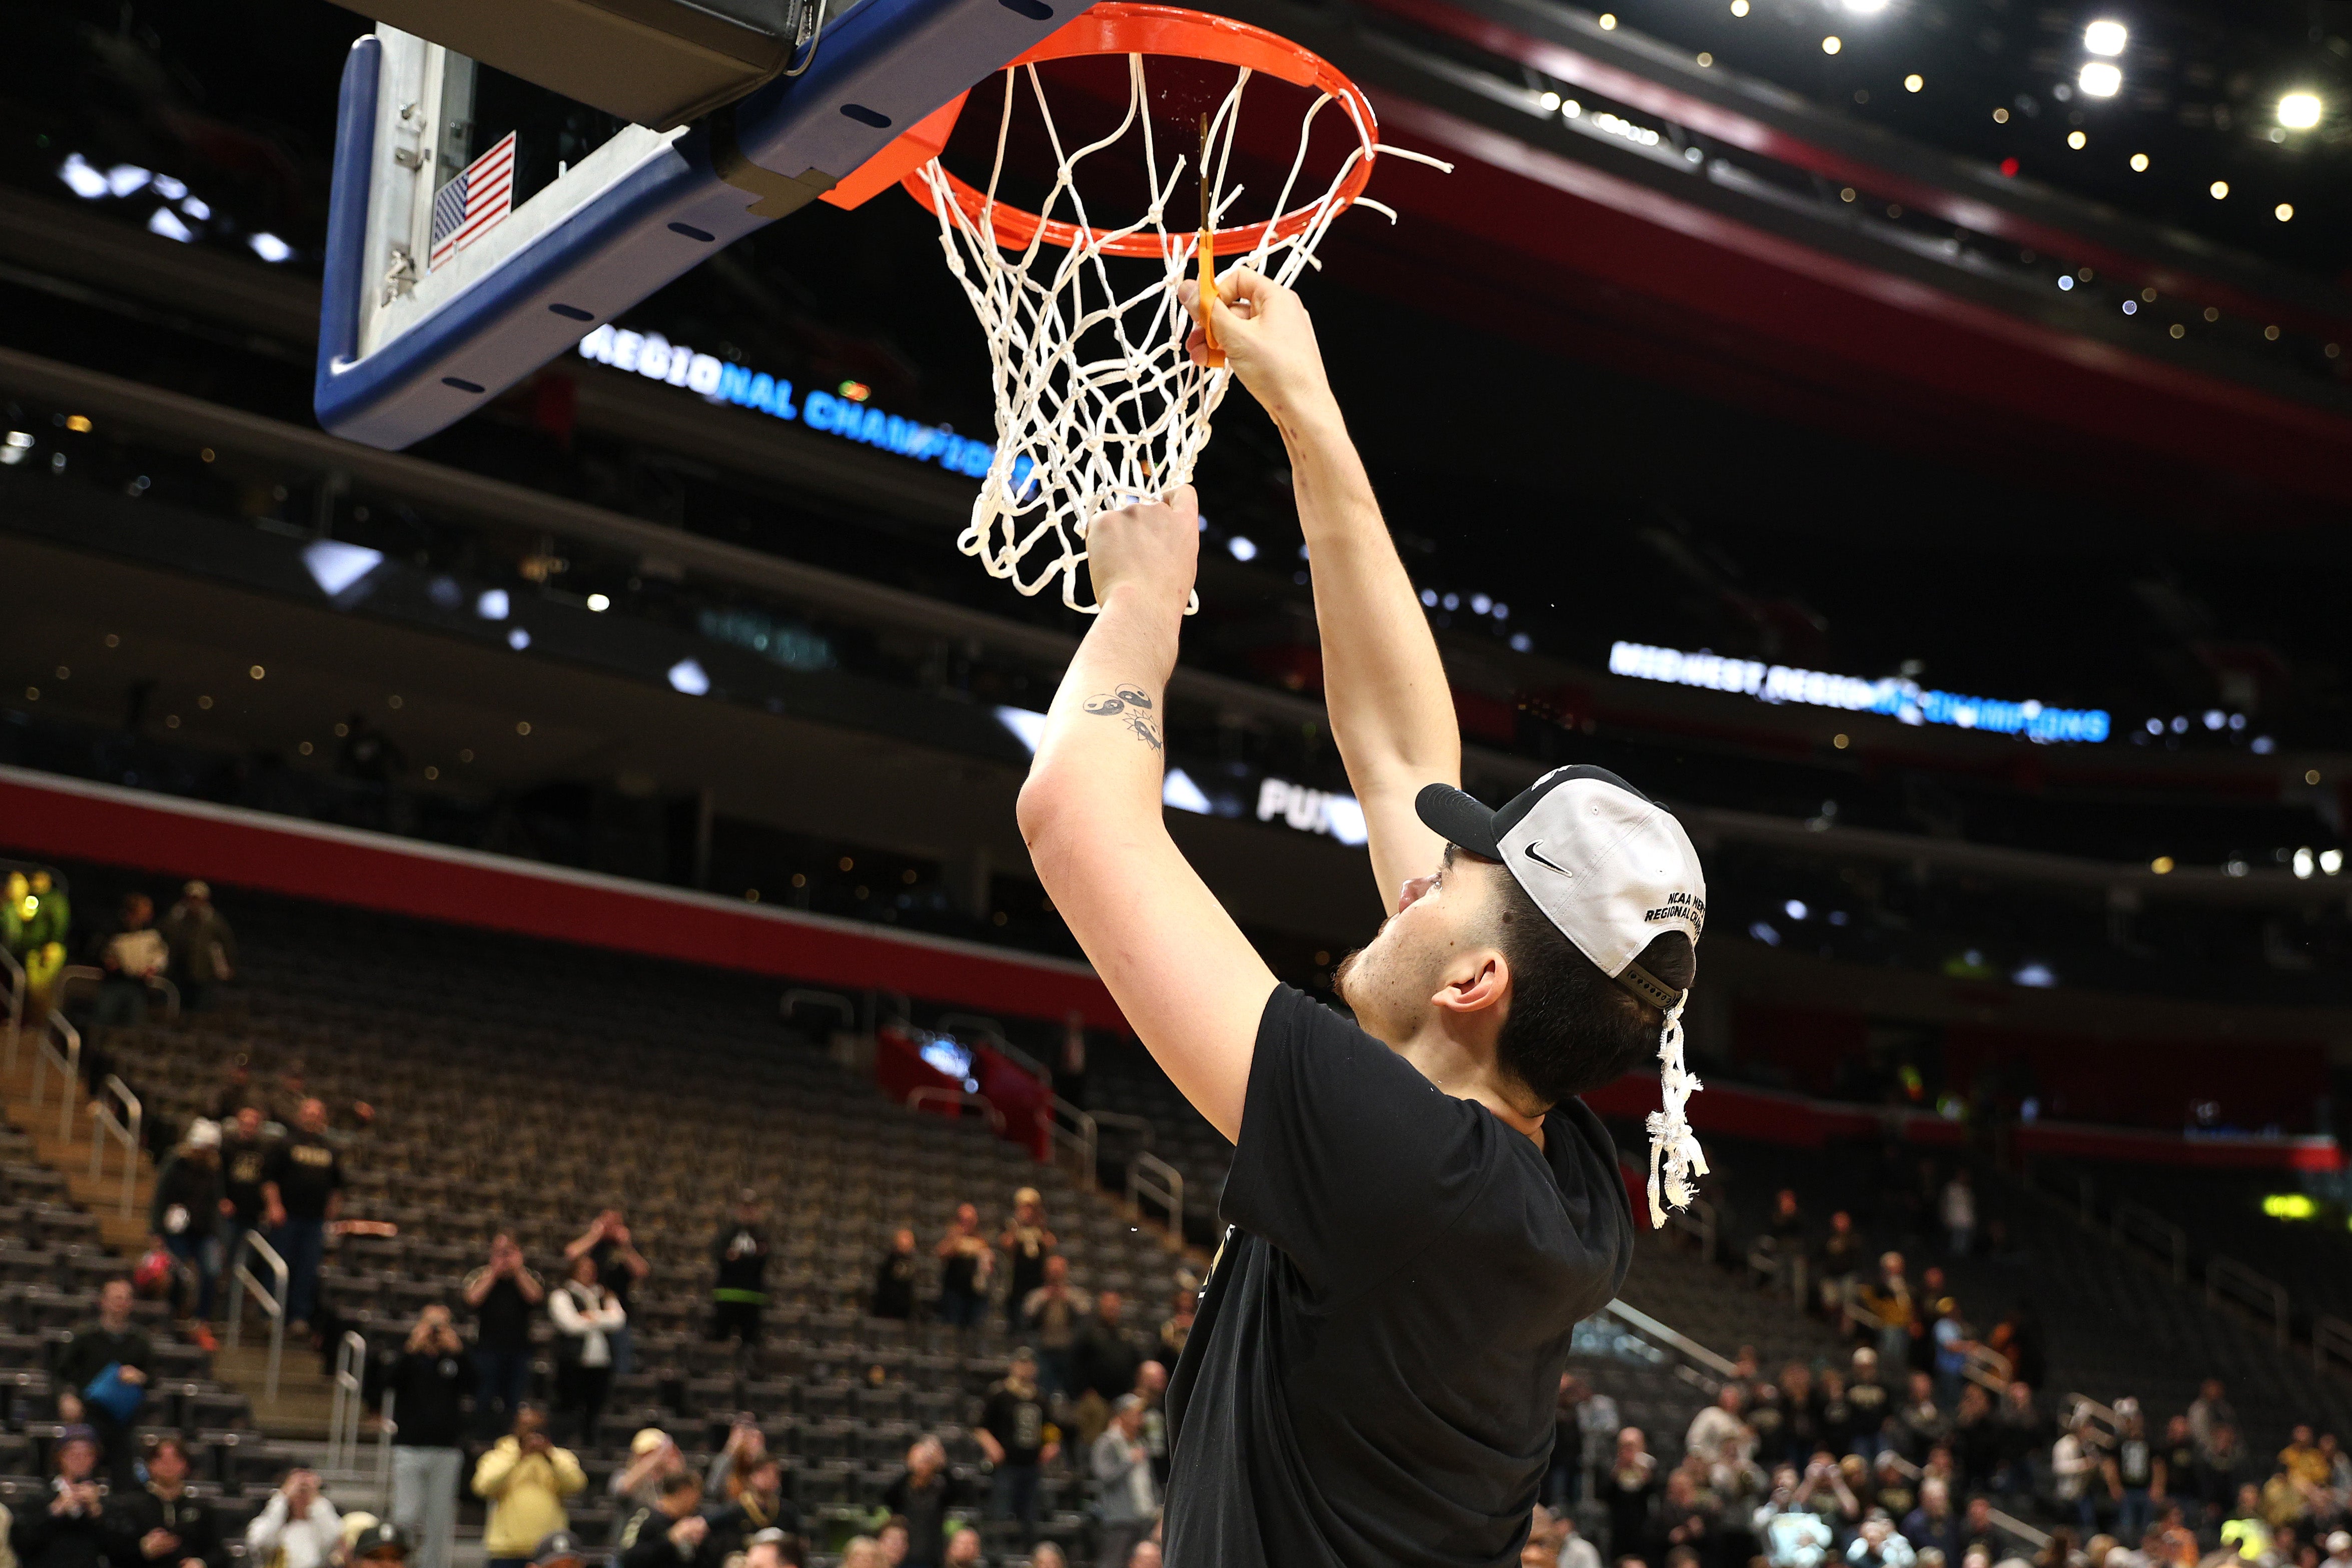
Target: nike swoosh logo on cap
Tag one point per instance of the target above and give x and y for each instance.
(1534, 853)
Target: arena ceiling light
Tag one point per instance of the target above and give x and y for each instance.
(2107, 36)
(337, 567)
(1865, 7)
(2299, 110)
(690, 678)
(2100, 79)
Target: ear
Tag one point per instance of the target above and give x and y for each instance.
(1477, 981)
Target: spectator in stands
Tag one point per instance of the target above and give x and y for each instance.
(503, 1294)
(756, 1482)
(2210, 1408)
(102, 1376)
(2133, 1472)
(1956, 1206)
(1145, 1555)
(1767, 1427)
(561, 1549)
(1151, 1387)
(740, 1292)
(891, 1536)
(1871, 1406)
(922, 1495)
(2339, 1551)
(966, 1259)
(134, 953)
(619, 1269)
(1974, 1437)
(204, 949)
(428, 1381)
(1890, 1487)
(772, 1549)
(1630, 1492)
(1954, 1346)
(1103, 1365)
(1793, 1534)
(654, 1457)
(585, 1315)
(184, 1218)
(893, 1281)
(1573, 1550)
(861, 1551)
(1877, 1545)
(1564, 1481)
(2246, 1530)
(70, 1530)
(1933, 1522)
(1780, 1243)
(1012, 1433)
(1888, 1299)
(301, 1190)
(1127, 1498)
(298, 1529)
(2219, 1458)
(1026, 1244)
(243, 1162)
(1053, 1314)
(1720, 1422)
(670, 1534)
(1177, 1326)
(159, 1525)
(1921, 1422)
(2074, 1460)
(1843, 1252)
(963, 1548)
(525, 1478)
(1070, 1073)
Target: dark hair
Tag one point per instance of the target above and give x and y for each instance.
(1569, 1028)
(171, 1440)
(680, 1480)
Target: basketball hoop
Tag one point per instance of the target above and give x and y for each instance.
(1098, 403)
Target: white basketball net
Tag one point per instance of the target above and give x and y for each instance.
(1098, 403)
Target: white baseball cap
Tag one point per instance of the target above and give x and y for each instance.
(1612, 871)
(1611, 868)
(204, 1133)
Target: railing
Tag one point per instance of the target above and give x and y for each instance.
(271, 1303)
(919, 1098)
(2251, 1290)
(345, 1401)
(833, 1001)
(68, 1063)
(1149, 1176)
(2005, 1522)
(2130, 1219)
(1987, 1368)
(1080, 1137)
(14, 972)
(2081, 1405)
(1140, 1126)
(123, 1129)
(2330, 1336)
(93, 975)
(1675, 1340)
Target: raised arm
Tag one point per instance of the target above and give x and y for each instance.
(1391, 710)
(1179, 968)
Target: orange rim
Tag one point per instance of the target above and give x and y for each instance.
(1119, 28)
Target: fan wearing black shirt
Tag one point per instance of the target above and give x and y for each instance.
(1419, 1208)
(893, 1281)
(741, 1292)
(301, 1188)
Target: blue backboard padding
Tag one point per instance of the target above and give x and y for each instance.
(899, 59)
(338, 301)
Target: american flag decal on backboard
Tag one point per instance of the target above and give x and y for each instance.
(470, 206)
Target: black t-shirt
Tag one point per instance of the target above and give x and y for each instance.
(894, 1286)
(1374, 1372)
(1017, 1421)
(243, 1165)
(307, 1171)
(741, 1253)
(613, 1273)
(925, 1510)
(502, 1323)
(428, 1393)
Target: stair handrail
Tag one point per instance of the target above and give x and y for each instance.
(800, 996)
(959, 1097)
(343, 1401)
(1149, 1176)
(2223, 1273)
(992, 1031)
(2009, 1523)
(2330, 1335)
(69, 1062)
(271, 1303)
(1987, 1368)
(104, 1124)
(1673, 1338)
(1080, 1136)
(2128, 1217)
(1697, 1218)
(97, 976)
(385, 1426)
(1141, 1125)
(14, 972)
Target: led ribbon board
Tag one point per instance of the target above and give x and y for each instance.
(1898, 698)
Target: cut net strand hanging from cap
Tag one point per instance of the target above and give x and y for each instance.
(1675, 1157)
(1098, 402)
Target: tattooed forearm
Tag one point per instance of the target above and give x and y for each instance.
(1130, 705)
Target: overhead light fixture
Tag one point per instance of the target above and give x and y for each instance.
(2299, 110)
(2140, 162)
(492, 605)
(1180, 791)
(269, 247)
(336, 566)
(1242, 547)
(599, 602)
(81, 179)
(2105, 36)
(2331, 861)
(689, 678)
(167, 223)
(2304, 864)
(1832, 44)
(124, 178)
(2077, 140)
(1794, 909)
(2161, 865)
(2034, 975)
(518, 640)
(2219, 190)
(1865, 7)
(1028, 726)
(1914, 82)
(2101, 79)
(2283, 212)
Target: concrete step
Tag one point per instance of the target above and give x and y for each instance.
(306, 1397)
(122, 1227)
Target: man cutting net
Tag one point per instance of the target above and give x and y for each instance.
(1420, 1209)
